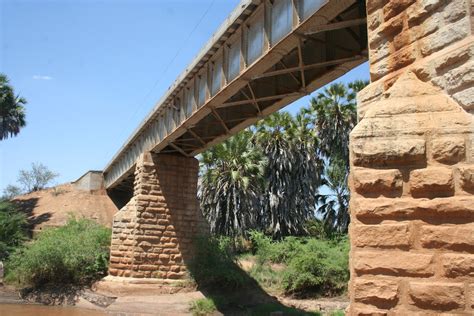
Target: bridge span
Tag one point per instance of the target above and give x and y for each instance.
(412, 152)
(266, 55)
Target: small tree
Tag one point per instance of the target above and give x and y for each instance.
(10, 192)
(37, 178)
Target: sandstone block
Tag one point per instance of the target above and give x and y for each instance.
(457, 237)
(448, 149)
(164, 256)
(374, 292)
(431, 181)
(456, 265)
(395, 7)
(368, 312)
(392, 263)
(445, 36)
(455, 10)
(175, 275)
(467, 177)
(437, 295)
(465, 98)
(148, 267)
(374, 181)
(459, 206)
(391, 235)
(420, 10)
(373, 152)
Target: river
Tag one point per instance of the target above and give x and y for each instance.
(41, 310)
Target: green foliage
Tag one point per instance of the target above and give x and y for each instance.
(12, 111)
(214, 263)
(76, 253)
(12, 229)
(312, 265)
(334, 205)
(231, 182)
(203, 306)
(334, 115)
(267, 277)
(292, 175)
(320, 267)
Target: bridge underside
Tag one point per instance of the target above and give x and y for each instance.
(412, 153)
(312, 55)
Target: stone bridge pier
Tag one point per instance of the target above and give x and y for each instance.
(152, 235)
(412, 163)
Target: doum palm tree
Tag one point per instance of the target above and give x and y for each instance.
(230, 185)
(334, 114)
(12, 111)
(292, 174)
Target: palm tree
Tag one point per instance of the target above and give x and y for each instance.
(334, 115)
(12, 111)
(230, 185)
(333, 206)
(292, 174)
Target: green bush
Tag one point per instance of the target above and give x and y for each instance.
(76, 253)
(319, 266)
(12, 229)
(214, 263)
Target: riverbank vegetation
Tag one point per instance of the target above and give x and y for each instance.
(13, 229)
(76, 253)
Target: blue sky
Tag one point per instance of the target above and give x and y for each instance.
(91, 70)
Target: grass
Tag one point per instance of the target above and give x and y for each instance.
(203, 306)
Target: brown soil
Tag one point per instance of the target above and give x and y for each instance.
(52, 207)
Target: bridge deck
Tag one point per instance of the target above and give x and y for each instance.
(266, 55)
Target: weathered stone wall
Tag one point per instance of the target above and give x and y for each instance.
(412, 163)
(152, 235)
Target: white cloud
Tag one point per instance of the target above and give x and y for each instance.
(39, 77)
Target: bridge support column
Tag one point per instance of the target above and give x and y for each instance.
(412, 163)
(152, 236)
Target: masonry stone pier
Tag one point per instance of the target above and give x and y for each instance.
(152, 235)
(412, 163)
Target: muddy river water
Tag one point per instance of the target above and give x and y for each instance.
(40, 310)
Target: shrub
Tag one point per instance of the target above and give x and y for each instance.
(319, 266)
(12, 229)
(76, 253)
(214, 263)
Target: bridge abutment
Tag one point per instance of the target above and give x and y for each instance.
(152, 235)
(412, 163)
